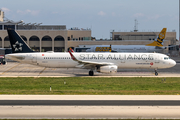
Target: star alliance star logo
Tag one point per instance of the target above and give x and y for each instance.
(17, 46)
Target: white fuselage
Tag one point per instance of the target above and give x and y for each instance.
(121, 60)
(126, 48)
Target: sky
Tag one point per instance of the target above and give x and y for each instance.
(101, 16)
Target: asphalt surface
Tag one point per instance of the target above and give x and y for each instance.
(90, 102)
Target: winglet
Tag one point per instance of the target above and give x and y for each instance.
(72, 56)
(160, 38)
(71, 50)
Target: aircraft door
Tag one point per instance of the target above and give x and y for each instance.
(157, 59)
(34, 58)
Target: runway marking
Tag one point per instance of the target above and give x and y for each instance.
(10, 68)
(42, 71)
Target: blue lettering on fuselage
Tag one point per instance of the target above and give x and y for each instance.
(82, 56)
(129, 57)
(144, 56)
(100, 56)
(137, 57)
(121, 57)
(118, 56)
(109, 56)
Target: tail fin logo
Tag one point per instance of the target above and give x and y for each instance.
(161, 35)
(17, 46)
(159, 39)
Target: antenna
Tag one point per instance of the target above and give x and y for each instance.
(136, 25)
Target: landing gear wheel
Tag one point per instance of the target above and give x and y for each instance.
(156, 73)
(91, 73)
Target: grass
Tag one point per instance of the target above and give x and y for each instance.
(90, 86)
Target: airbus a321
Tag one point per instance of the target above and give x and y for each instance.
(100, 62)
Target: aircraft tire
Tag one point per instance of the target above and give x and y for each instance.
(91, 73)
(156, 73)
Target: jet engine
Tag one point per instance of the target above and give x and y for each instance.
(107, 69)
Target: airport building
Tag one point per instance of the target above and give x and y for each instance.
(58, 38)
(42, 37)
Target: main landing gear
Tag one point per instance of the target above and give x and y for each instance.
(156, 73)
(91, 73)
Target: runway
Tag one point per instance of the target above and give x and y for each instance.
(90, 102)
(15, 69)
(89, 106)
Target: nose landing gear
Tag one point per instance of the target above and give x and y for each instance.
(156, 73)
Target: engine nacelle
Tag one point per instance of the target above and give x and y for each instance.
(108, 69)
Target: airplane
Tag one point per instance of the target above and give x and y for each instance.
(155, 46)
(100, 62)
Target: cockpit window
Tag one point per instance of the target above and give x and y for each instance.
(166, 58)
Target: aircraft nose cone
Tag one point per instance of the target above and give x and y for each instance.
(173, 63)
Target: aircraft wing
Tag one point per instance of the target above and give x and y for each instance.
(87, 64)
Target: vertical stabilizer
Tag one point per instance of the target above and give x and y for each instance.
(18, 45)
(159, 40)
